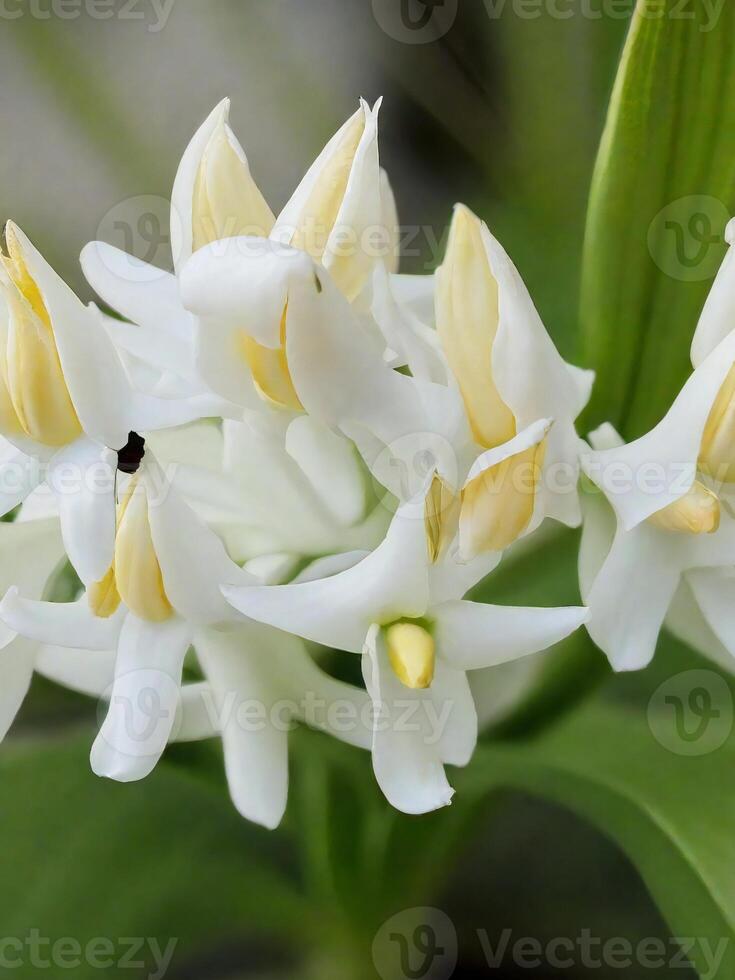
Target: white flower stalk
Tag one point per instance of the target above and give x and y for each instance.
(418, 638)
(159, 597)
(66, 404)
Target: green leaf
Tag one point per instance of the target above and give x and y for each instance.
(662, 191)
(168, 858)
(672, 815)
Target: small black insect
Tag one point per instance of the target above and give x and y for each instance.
(130, 456)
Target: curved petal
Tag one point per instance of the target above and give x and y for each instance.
(598, 534)
(144, 699)
(196, 720)
(82, 477)
(391, 224)
(92, 369)
(142, 293)
(390, 583)
(647, 475)
(471, 635)
(406, 753)
(243, 668)
(233, 197)
(29, 553)
(632, 593)
(20, 474)
(66, 624)
(87, 671)
(16, 671)
(687, 622)
(714, 590)
(193, 560)
(718, 315)
(332, 467)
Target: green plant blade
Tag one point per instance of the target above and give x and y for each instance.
(672, 815)
(662, 191)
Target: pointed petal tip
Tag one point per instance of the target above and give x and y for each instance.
(730, 232)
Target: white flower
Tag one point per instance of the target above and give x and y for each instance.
(66, 404)
(670, 522)
(159, 597)
(418, 639)
(341, 201)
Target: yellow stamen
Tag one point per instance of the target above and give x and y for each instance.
(717, 451)
(497, 505)
(411, 654)
(34, 400)
(697, 512)
(227, 201)
(467, 319)
(441, 517)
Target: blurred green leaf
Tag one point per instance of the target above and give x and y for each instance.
(663, 187)
(672, 815)
(168, 858)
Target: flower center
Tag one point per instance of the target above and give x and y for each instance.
(411, 653)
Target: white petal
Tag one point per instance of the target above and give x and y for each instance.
(82, 477)
(533, 379)
(87, 671)
(193, 559)
(416, 293)
(686, 621)
(142, 293)
(20, 474)
(67, 624)
(598, 534)
(92, 369)
(390, 583)
(243, 669)
(391, 223)
(647, 475)
(632, 593)
(332, 466)
(221, 364)
(718, 315)
(714, 590)
(196, 719)
(16, 671)
(451, 578)
(471, 635)
(144, 698)
(406, 752)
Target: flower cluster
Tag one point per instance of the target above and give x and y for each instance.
(285, 452)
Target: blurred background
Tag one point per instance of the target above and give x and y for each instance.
(501, 111)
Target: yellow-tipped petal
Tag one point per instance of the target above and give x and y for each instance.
(497, 506)
(269, 368)
(321, 209)
(441, 517)
(103, 596)
(467, 317)
(17, 270)
(697, 512)
(137, 571)
(227, 201)
(411, 654)
(717, 451)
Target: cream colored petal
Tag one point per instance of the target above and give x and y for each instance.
(467, 318)
(441, 517)
(717, 452)
(498, 499)
(697, 512)
(137, 571)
